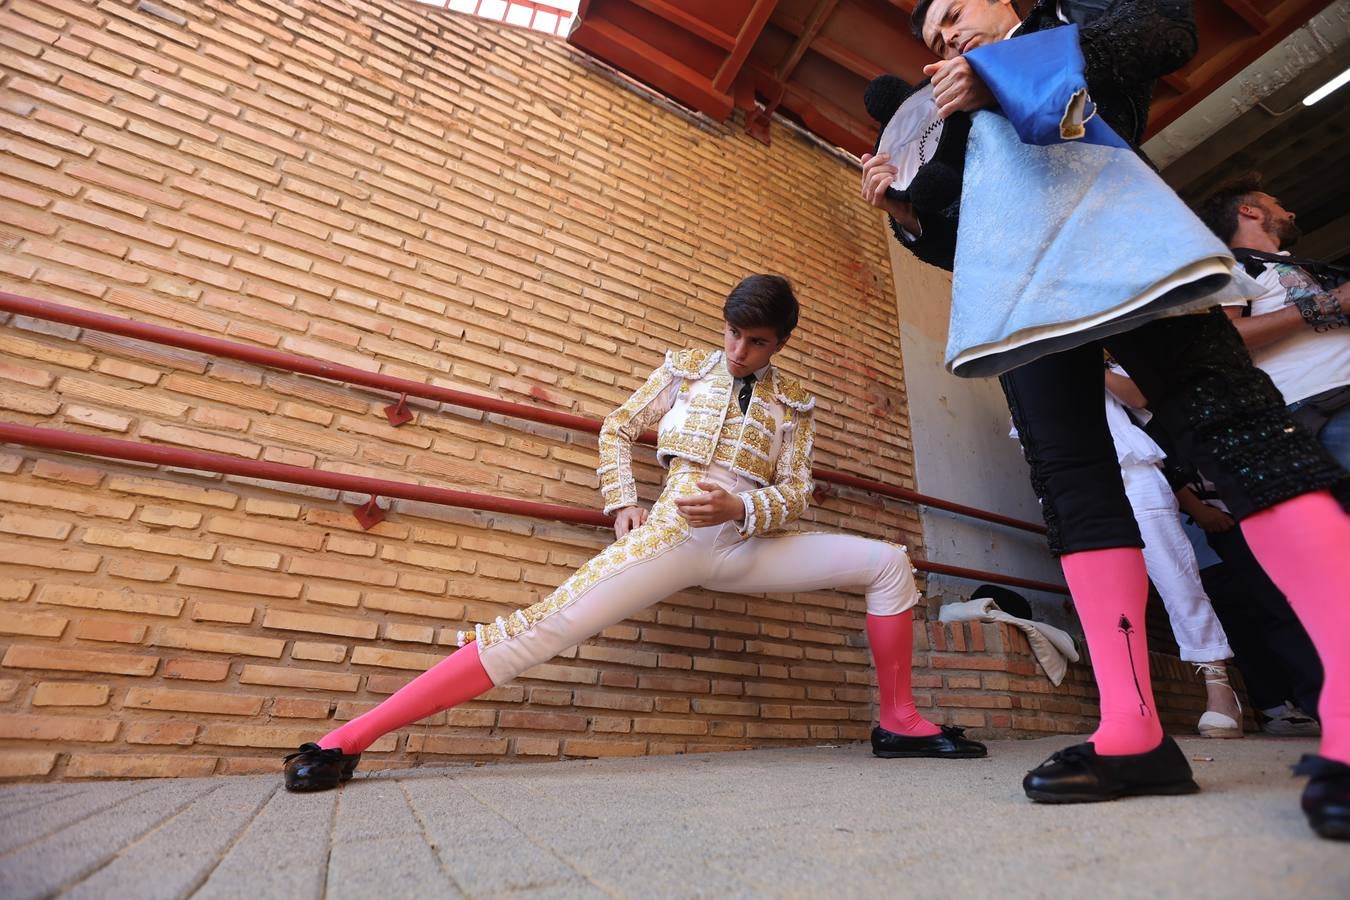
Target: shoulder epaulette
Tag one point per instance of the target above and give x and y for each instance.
(791, 392)
(692, 363)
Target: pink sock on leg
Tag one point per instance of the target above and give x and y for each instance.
(452, 681)
(1304, 546)
(1110, 590)
(892, 642)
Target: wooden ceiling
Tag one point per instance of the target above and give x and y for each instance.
(809, 60)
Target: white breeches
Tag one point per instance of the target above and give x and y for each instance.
(1171, 565)
(665, 556)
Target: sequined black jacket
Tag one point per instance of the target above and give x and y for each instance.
(1127, 46)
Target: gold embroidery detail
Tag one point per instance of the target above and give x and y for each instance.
(694, 363)
(694, 448)
(696, 439)
(663, 531)
(759, 440)
(791, 392)
(756, 468)
(761, 415)
(787, 498)
(620, 430)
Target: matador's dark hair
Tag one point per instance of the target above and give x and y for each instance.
(763, 301)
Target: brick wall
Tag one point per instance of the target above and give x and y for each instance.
(436, 197)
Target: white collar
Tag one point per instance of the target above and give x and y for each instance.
(759, 373)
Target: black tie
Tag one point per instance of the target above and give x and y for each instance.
(747, 388)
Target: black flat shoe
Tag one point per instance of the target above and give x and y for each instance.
(312, 768)
(1326, 799)
(947, 744)
(1078, 775)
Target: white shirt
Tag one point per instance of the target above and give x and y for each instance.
(1133, 445)
(1306, 362)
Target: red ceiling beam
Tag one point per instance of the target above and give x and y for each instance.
(692, 24)
(1249, 14)
(750, 31)
(863, 51)
(838, 53)
(824, 9)
(821, 115)
(602, 38)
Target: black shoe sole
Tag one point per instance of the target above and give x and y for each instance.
(311, 787)
(1337, 829)
(929, 754)
(1163, 790)
(305, 787)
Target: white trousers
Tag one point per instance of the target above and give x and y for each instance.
(665, 555)
(1171, 565)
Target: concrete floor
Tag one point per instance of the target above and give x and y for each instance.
(813, 822)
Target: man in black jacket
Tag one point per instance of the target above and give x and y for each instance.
(1288, 493)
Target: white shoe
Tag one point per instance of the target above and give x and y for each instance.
(1215, 724)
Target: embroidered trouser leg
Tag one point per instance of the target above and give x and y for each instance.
(643, 567)
(805, 562)
(808, 562)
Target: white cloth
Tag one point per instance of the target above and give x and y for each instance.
(1133, 445)
(1053, 648)
(1306, 362)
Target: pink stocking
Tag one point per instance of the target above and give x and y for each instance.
(892, 641)
(452, 681)
(1110, 590)
(1304, 546)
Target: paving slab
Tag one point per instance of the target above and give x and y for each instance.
(803, 822)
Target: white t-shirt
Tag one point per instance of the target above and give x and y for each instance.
(1306, 362)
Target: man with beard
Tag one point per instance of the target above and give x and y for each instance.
(1295, 331)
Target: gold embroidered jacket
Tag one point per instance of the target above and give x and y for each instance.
(690, 394)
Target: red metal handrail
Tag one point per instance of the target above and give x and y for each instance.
(290, 362)
(113, 448)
